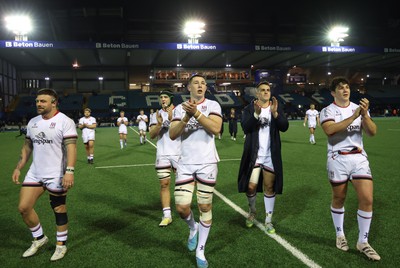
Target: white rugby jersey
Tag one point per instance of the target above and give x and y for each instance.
(153, 118)
(198, 145)
(142, 123)
(348, 139)
(264, 138)
(165, 146)
(312, 117)
(88, 121)
(49, 152)
(122, 127)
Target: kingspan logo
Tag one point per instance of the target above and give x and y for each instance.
(353, 128)
(41, 139)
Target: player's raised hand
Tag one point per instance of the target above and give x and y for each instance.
(169, 109)
(190, 107)
(274, 105)
(159, 118)
(364, 106)
(357, 112)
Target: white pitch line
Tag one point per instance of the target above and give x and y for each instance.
(125, 166)
(155, 146)
(295, 252)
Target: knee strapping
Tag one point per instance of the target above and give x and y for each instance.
(255, 175)
(61, 218)
(163, 173)
(57, 200)
(183, 194)
(204, 193)
(206, 216)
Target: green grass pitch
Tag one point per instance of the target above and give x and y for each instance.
(114, 208)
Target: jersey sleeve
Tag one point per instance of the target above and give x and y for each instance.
(69, 130)
(177, 113)
(327, 114)
(215, 109)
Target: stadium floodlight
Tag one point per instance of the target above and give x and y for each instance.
(336, 35)
(20, 25)
(194, 29)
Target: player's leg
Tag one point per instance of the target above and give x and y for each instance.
(125, 138)
(91, 151)
(251, 195)
(269, 199)
(86, 144)
(183, 199)
(364, 189)
(204, 200)
(312, 138)
(27, 200)
(58, 204)
(339, 192)
(164, 176)
(206, 180)
(121, 140)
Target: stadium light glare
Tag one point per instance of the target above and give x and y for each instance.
(193, 30)
(337, 35)
(20, 25)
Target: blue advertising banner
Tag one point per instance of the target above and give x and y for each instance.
(186, 46)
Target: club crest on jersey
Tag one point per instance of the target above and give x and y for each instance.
(52, 125)
(34, 126)
(203, 108)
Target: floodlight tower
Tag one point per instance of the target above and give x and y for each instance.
(194, 29)
(336, 35)
(20, 25)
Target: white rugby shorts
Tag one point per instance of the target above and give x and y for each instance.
(347, 167)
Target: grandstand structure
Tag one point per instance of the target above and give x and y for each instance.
(118, 55)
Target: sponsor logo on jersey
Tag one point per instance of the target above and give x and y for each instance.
(41, 139)
(353, 128)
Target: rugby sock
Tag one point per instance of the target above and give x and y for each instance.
(91, 156)
(252, 201)
(269, 203)
(121, 143)
(37, 231)
(141, 139)
(312, 138)
(167, 212)
(204, 230)
(62, 237)
(338, 219)
(192, 224)
(364, 222)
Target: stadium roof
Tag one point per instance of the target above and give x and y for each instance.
(279, 36)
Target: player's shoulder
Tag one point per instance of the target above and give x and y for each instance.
(212, 103)
(34, 120)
